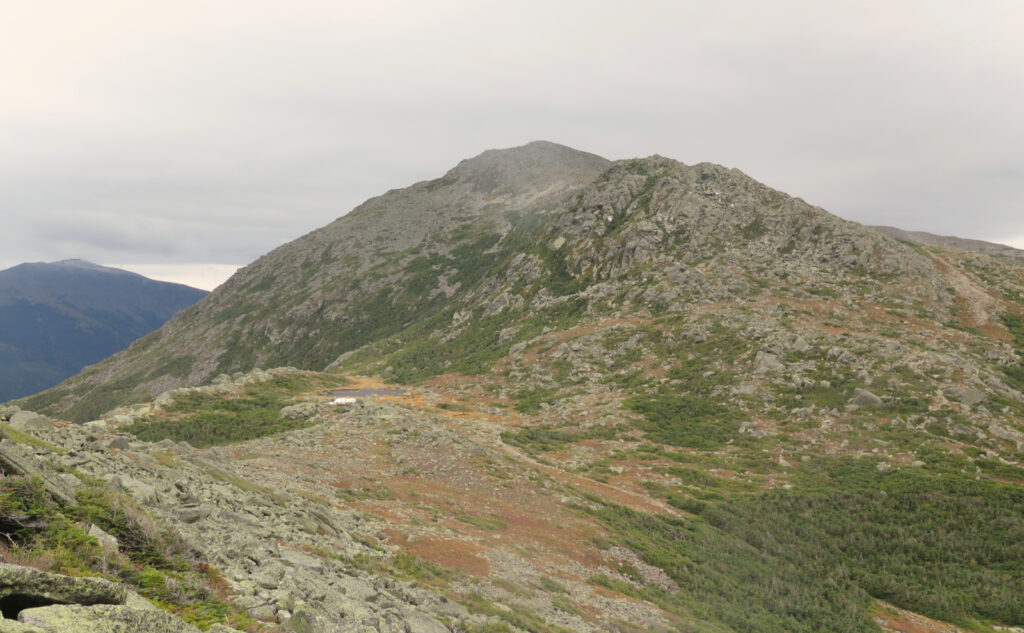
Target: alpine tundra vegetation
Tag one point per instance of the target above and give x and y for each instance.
(627, 396)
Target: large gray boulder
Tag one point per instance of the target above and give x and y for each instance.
(967, 395)
(16, 460)
(105, 618)
(765, 363)
(30, 422)
(144, 493)
(864, 398)
(299, 410)
(417, 622)
(107, 541)
(53, 603)
(13, 626)
(6, 411)
(306, 620)
(24, 587)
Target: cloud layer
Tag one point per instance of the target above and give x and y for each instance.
(211, 132)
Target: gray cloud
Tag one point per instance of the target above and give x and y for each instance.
(202, 132)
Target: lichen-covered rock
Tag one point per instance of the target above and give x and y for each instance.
(765, 363)
(299, 410)
(107, 541)
(30, 421)
(97, 426)
(17, 460)
(864, 398)
(19, 585)
(135, 601)
(13, 626)
(967, 395)
(417, 622)
(7, 410)
(119, 420)
(103, 619)
(144, 493)
(305, 620)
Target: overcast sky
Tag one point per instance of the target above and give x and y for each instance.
(187, 138)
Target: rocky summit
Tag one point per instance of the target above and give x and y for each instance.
(549, 392)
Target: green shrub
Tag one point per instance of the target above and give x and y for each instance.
(545, 437)
(684, 420)
(204, 419)
(810, 559)
(528, 401)
(1015, 325)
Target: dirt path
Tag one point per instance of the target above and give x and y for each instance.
(895, 620)
(487, 430)
(615, 494)
(977, 304)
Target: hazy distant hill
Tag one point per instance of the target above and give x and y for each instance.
(947, 241)
(56, 318)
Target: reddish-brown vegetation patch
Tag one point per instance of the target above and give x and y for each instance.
(445, 552)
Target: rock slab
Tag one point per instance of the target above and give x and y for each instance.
(32, 587)
(105, 618)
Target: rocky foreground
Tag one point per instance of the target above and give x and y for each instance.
(34, 601)
(270, 545)
(293, 550)
(401, 513)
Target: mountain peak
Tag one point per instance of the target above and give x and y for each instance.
(532, 153)
(82, 264)
(485, 186)
(538, 163)
(64, 266)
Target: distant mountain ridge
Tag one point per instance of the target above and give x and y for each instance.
(947, 241)
(56, 318)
